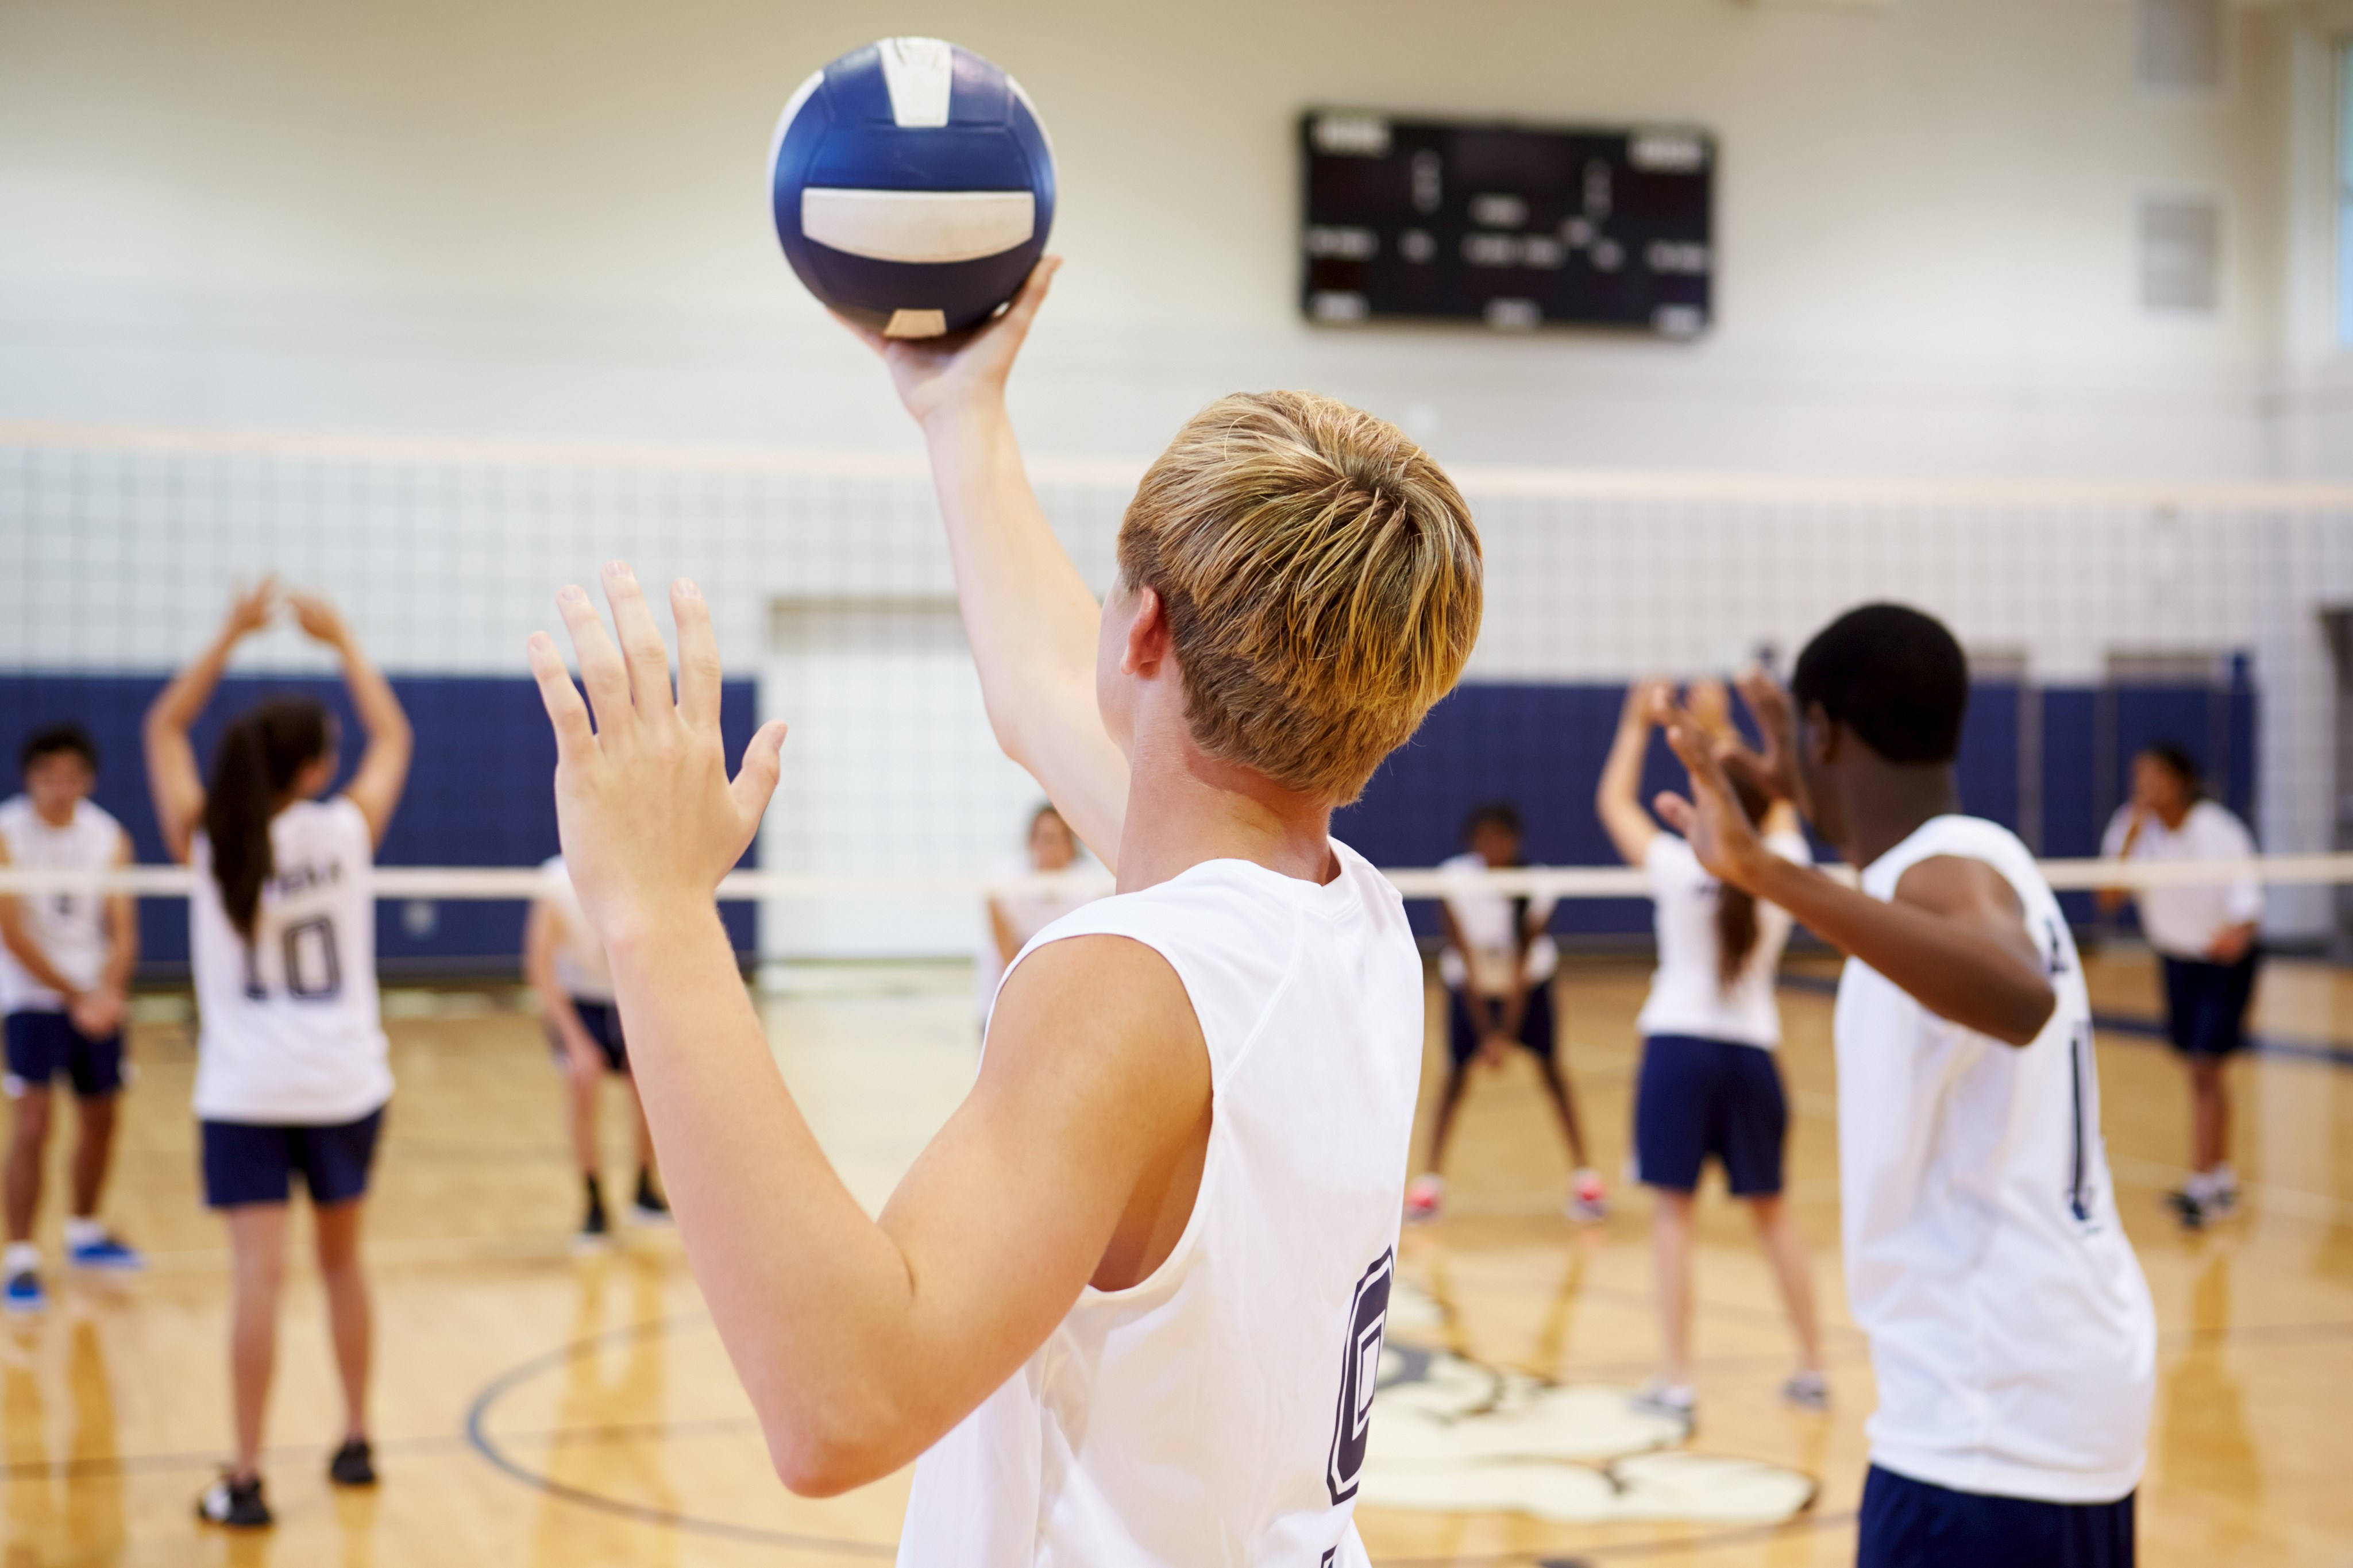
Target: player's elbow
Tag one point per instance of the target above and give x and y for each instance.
(821, 1449)
(2025, 1014)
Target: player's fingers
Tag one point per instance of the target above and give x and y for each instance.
(641, 643)
(601, 670)
(565, 713)
(1677, 811)
(698, 675)
(755, 780)
(1024, 308)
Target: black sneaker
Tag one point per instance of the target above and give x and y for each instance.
(594, 1230)
(235, 1504)
(353, 1465)
(2189, 1208)
(650, 1207)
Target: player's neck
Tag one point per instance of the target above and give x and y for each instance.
(56, 816)
(1885, 802)
(1184, 807)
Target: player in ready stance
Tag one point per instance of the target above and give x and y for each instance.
(1126, 1306)
(2010, 1328)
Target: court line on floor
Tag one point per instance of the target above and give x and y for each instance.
(479, 1440)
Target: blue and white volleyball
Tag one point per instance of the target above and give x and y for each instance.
(913, 186)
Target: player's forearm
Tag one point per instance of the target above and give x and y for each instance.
(380, 712)
(122, 945)
(1956, 972)
(27, 953)
(812, 1298)
(1029, 618)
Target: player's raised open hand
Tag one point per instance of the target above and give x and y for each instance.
(1711, 819)
(251, 609)
(1774, 767)
(648, 818)
(936, 375)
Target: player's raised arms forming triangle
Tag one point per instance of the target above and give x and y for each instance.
(1127, 1304)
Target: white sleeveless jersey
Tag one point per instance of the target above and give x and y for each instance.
(1216, 1413)
(69, 927)
(290, 1033)
(2011, 1333)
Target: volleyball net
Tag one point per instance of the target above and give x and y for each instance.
(2099, 617)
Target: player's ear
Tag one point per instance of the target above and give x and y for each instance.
(1819, 735)
(1147, 642)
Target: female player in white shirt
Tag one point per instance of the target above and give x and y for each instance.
(1709, 1085)
(2011, 1334)
(2205, 937)
(65, 960)
(1014, 915)
(566, 965)
(1127, 1306)
(290, 1060)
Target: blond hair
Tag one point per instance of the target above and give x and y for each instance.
(1322, 580)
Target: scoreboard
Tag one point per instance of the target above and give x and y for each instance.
(1515, 225)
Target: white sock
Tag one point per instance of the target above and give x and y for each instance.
(2226, 1180)
(2203, 1185)
(83, 1231)
(20, 1256)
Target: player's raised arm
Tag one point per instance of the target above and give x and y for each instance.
(172, 776)
(383, 773)
(1618, 798)
(861, 1343)
(1031, 621)
(1953, 938)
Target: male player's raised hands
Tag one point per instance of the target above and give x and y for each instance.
(648, 818)
(938, 375)
(1710, 820)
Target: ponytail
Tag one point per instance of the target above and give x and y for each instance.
(259, 755)
(1735, 908)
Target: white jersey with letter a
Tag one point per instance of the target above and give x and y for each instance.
(69, 927)
(290, 1033)
(1216, 1413)
(2010, 1328)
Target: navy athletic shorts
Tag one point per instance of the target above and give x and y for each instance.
(1697, 1098)
(254, 1163)
(2206, 1003)
(43, 1044)
(1912, 1524)
(603, 1022)
(1535, 1023)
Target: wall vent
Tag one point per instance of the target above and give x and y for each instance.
(2180, 44)
(2180, 254)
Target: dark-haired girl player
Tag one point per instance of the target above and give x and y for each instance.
(290, 1073)
(1709, 1085)
(2205, 937)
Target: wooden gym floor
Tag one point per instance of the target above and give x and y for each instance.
(533, 1406)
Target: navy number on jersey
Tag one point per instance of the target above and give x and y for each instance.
(1360, 1372)
(314, 970)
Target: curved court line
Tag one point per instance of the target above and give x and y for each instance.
(523, 1371)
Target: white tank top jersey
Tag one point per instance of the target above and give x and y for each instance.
(2183, 923)
(2011, 1333)
(1688, 996)
(290, 1033)
(1485, 922)
(581, 966)
(68, 928)
(1218, 1412)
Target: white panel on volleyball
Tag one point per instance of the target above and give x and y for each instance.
(890, 769)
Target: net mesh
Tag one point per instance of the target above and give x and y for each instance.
(2099, 618)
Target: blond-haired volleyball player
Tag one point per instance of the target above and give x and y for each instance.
(1127, 1305)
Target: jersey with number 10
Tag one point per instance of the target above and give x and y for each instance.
(2011, 1334)
(1219, 1411)
(290, 1033)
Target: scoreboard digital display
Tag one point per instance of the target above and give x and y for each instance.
(1515, 225)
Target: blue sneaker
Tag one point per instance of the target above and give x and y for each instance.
(109, 1251)
(24, 1293)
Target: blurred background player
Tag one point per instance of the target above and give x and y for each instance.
(291, 1076)
(2205, 938)
(1498, 965)
(1709, 1085)
(66, 959)
(565, 964)
(2012, 1337)
(1017, 914)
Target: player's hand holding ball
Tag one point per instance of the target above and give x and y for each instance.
(650, 819)
(936, 376)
